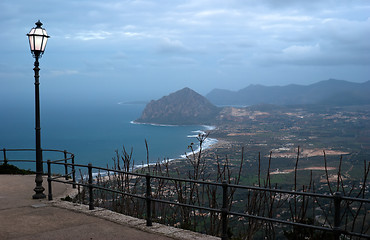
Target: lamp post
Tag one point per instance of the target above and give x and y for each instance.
(37, 38)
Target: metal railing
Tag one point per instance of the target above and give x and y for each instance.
(224, 211)
(67, 157)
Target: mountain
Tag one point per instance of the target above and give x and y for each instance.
(332, 91)
(184, 107)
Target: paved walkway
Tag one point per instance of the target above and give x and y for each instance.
(22, 217)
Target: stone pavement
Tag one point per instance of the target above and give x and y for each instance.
(22, 217)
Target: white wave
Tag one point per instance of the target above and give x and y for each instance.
(198, 131)
(154, 124)
(209, 128)
(206, 145)
(144, 165)
(162, 125)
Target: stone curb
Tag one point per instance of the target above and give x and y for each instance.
(136, 223)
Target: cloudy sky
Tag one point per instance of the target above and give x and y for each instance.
(143, 49)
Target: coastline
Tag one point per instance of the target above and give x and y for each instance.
(208, 127)
(208, 144)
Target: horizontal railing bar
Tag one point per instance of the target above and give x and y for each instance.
(281, 191)
(63, 176)
(279, 221)
(102, 188)
(120, 171)
(16, 149)
(365, 200)
(32, 149)
(366, 236)
(186, 180)
(31, 160)
(297, 224)
(119, 192)
(100, 168)
(186, 205)
(70, 164)
(25, 160)
(57, 177)
(69, 182)
(55, 150)
(60, 160)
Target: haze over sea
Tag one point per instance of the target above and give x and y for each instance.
(92, 132)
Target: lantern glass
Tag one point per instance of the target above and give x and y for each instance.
(38, 38)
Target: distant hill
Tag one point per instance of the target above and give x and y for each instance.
(332, 92)
(183, 107)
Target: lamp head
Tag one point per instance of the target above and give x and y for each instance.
(37, 38)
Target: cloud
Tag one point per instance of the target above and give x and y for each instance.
(346, 34)
(283, 18)
(125, 37)
(311, 55)
(129, 27)
(304, 51)
(171, 46)
(136, 35)
(90, 35)
(294, 3)
(217, 13)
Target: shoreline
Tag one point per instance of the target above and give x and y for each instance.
(207, 145)
(208, 127)
(214, 144)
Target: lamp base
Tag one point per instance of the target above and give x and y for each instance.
(39, 193)
(39, 189)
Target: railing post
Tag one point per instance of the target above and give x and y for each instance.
(65, 164)
(148, 201)
(224, 211)
(5, 160)
(73, 171)
(337, 200)
(50, 195)
(91, 197)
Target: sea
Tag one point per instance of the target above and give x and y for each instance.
(93, 133)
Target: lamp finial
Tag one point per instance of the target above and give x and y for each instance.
(38, 24)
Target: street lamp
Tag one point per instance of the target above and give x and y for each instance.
(38, 38)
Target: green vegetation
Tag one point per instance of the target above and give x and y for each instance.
(11, 169)
(252, 171)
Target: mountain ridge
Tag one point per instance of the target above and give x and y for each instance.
(323, 92)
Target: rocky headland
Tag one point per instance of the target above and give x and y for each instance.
(184, 107)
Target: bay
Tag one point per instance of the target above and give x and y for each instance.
(92, 131)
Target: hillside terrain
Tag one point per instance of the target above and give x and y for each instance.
(339, 130)
(319, 147)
